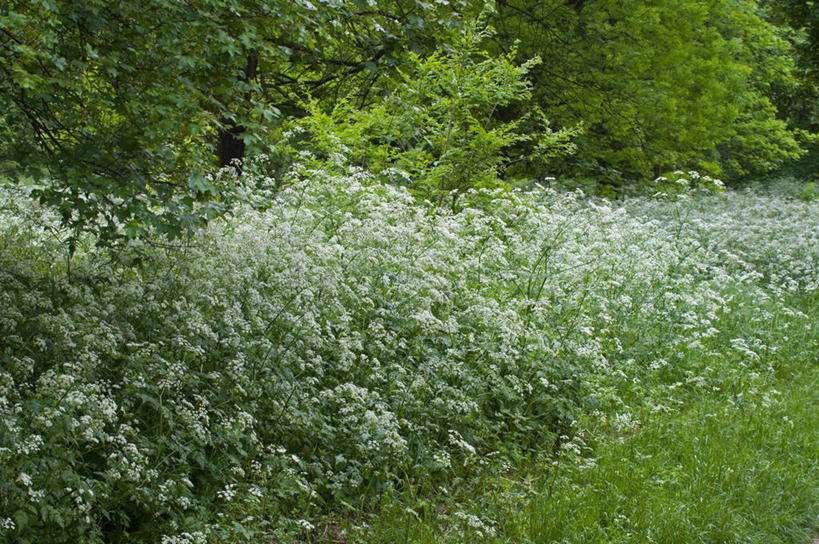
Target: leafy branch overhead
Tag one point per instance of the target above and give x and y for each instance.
(119, 109)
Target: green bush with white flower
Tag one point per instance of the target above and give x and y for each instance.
(313, 353)
(679, 182)
(341, 339)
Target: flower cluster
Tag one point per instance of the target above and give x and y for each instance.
(342, 337)
(680, 182)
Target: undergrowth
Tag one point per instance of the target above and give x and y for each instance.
(537, 367)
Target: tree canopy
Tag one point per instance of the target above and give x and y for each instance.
(124, 107)
(658, 84)
(121, 112)
(804, 15)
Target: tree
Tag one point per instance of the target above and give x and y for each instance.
(658, 84)
(437, 127)
(804, 15)
(120, 108)
(801, 104)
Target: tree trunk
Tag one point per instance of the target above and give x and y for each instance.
(230, 147)
(577, 5)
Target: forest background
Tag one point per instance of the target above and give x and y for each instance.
(126, 110)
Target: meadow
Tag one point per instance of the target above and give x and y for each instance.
(342, 364)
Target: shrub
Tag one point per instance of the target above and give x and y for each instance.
(344, 339)
(445, 125)
(314, 352)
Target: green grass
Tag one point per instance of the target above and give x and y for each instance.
(739, 464)
(711, 473)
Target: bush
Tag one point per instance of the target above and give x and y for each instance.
(345, 339)
(446, 124)
(315, 352)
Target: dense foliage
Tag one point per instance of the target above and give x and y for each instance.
(437, 130)
(804, 14)
(394, 312)
(119, 113)
(120, 109)
(659, 84)
(321, 351)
